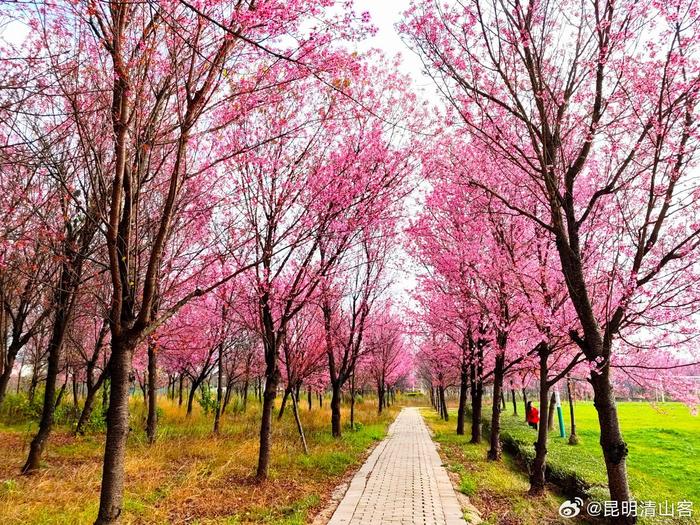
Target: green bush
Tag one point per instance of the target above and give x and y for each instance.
(17, 408)
(207, 399)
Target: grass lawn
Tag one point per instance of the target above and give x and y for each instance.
(189, 475)
(663, 465)
(497, 489)
(663, 441)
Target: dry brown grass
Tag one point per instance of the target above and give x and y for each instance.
(189, 475)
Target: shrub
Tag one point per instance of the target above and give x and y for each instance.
(17, 408)
(207, 399)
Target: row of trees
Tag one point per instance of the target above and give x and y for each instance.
(561, 226)
(193, 189)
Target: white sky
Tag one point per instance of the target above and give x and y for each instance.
(385, 15)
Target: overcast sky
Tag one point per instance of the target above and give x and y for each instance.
(385, 15)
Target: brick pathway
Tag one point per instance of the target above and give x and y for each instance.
(402, 482)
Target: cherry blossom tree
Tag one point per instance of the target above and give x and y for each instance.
(590, 109)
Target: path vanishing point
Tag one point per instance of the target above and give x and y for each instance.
(403, 482)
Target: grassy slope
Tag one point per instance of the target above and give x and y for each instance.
(189, 475)
(664, 445)
(497, 489)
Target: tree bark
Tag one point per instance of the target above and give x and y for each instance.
(550, 413)
(300, 429)
(494, 452)
(152, 419)
(537, 474)
(67, 284)
(62, 391)
(245, 394)
(10, 356)
(335, 411)
(443, 404)
(352, 401)
(89, 402)
(112, 490)
(573, 437)
(477, 393)
(219, 390)
(273, 377)
(75, 388)
(463, 387)
(614, 448)
(190, 396)
(283, 405)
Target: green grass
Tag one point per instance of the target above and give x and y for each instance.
(663, 441)
(664, 445)
(190, 474)
(497, 489)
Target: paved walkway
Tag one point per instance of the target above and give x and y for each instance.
(402, 482)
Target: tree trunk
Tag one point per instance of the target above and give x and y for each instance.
(10, 356)
(273, 377)
(515, 404)
(112, 490)
(227, 396)
(537, 474)
(19, 380)
(573, 438)
(106, 388)
(614, 448)
(190, 396)
(75, 388)
(550, 412)
(287, 391)
(335, 410)
(352, 402)
(477, 394)
(245, 394)
(46, 423)
(62, 391)
(295, 409)
(463, 387)
(152, 419)
(33, 382)
(219, 390)
(49, 406)
(443, 404)
(89, 402)
(179, 395)
(494, 452)
(144, 391)
(308, 392)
